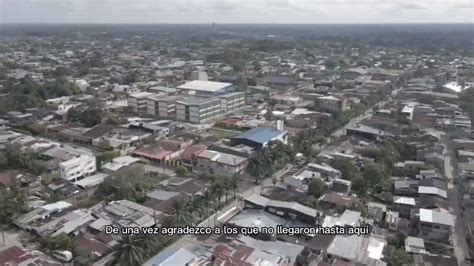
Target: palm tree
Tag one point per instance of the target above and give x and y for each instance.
(198, 207)
(226, 187)
(259, 165)
(234, 183)
(130, 251)
(181, 211)
(217, 188)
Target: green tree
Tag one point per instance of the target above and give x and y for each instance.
(106, 157)
(374, 173)
(259, 166)
(182, 212)
(218, 189)
(347, 168)
(400, 257)
(181, 171)
(131, 184)
(131, 251)
(13, 202)
(27, 159)
(317, 188)
(59, 242)
(359, 185)
(91, 117)
(234, 183)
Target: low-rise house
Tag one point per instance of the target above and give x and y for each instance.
(376, 211)
(415, 245)
(327, 172)
(434, 225)
(434, 259)
(286, 99)
(465, 156)
(220, 163)
(404, 205)
(432, 202)
(411, 166)
(239, 150)
(121, 139)
(433, 191)
(13, 255)
(463, 144)
(357, 250)
(188, 156)
(366, 132)
(118, 163)
(28, 220)
(301, 179)
(164, 151)
(332, 102)
(285, 209)
(70, 224)
(257, 218)
(91, 181)
(406, 187)
(333, 200)
(436, 159)
(341, 186)
(123, 213)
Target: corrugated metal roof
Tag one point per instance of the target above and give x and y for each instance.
(260, 134)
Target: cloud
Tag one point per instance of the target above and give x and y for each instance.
(234, 11)
(410, 6)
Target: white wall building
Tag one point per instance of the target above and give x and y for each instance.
(138, 101)
(198, 110)
(78, 167)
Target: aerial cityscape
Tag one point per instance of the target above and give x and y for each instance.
(137, 141)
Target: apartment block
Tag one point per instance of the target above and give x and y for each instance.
(164, 107)
(198, 110)
(78, 167)
(232, 101)
(138, 101)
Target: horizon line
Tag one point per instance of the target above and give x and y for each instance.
(235, 23)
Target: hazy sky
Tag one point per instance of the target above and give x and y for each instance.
(236, 11)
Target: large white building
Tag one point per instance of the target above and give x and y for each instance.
(138, 101)
(78, 167)
(205, 88)
(232, 101)
(162, 106)
(198, 110)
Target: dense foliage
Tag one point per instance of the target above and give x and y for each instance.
(27, 93)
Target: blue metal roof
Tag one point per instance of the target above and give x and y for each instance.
(260, 134)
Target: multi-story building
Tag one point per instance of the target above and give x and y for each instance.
(138, 101)
(332, 102)
(232, 101)
(78, 167)
(434, 225)
(221, 163)
(198, 110)
(164, 107)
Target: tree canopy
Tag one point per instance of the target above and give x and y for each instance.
(28, 94)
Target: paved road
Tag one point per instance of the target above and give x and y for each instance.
(459, 234)
(233, 207)
(354, 121)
